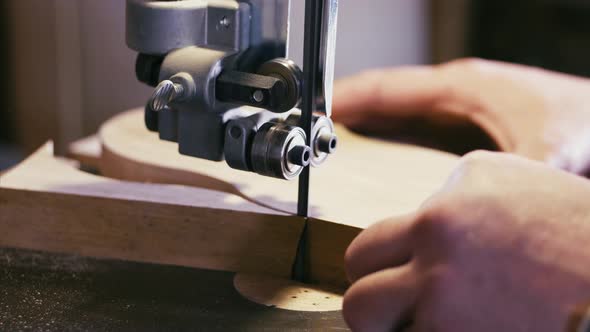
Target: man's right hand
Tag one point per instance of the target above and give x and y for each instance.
(528, 111)
(502, 246)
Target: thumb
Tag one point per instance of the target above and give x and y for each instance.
(371, 97)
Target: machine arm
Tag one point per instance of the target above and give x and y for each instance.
(224, 89)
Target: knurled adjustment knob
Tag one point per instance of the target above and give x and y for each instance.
(165, 93)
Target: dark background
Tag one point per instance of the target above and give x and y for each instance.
(549, 34)
(9, 153)
(6, 131)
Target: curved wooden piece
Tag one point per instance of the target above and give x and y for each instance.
(367, 180)
(221, 218)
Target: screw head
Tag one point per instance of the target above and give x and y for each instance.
(258, 96)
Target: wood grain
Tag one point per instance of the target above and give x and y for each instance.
(287, 294)
(47, 204)
(366, 181)
(155, 205)
(325, 247)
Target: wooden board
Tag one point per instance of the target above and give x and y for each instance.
(87, 151)
(155, 205)
(47, 204)
(367, 180)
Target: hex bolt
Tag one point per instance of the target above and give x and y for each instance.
(166, 92)
(300, 155)
(258, 96)
(327, 143)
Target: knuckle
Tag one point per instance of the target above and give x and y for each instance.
(436, 218)
(436, 211)
(467, 63)
(455, 74)
(476, 176)
(477, 158)
(472, 167)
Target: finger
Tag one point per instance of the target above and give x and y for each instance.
(387, 93)
(383, 245)
(382, 301)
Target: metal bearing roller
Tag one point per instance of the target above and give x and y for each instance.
(323, 139)
(279, 151)
(288, 72)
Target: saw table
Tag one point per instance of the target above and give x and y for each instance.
(56, 292)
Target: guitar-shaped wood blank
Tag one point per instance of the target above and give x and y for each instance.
(152, 204)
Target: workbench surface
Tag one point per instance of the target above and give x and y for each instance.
(50, 292)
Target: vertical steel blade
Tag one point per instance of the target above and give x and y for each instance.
(328, 56)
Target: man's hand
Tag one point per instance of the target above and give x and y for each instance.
(532, 112)
(503, 246)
